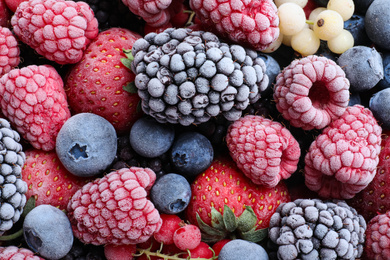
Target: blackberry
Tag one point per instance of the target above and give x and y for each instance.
(12, 187)
(126, 157)
(80, 251)
(187, 77)
(316, 229)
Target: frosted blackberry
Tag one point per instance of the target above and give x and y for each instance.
(187, 77)
(126, 157)
(12, 187)
(315, 229)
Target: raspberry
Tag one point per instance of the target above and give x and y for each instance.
(187, 237)
(59, 30)
(115, 209)
(34, 100)
(342, 160)
(311, 92)
(377, 237)
(155, 13)
(263, 149)
(254, 23)
(9, 51)
(13, 252)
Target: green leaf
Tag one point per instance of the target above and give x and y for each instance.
(30, 204)
(126, 62)
(209, 230)
(211, 238)
(139, 107)
(131, 88)
(128, 54)
(229, 219)
(13, 236)
(247, 220)
(217, 219)
(254, 235)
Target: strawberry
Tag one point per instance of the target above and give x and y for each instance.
(374, 199)
(48, 180)
(95, 84)
(223, 187)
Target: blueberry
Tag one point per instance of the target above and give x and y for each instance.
(191, 153)
(86, 144)
(239, 249)
(385, 82)
(151, 139)
(273, 69)
(171, 193)
(380, 107)
(363, 67)
(377, 22)
(48, 232)
(355, 25)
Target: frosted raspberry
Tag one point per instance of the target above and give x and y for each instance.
(263, 149)
(34, 100)
(9, 51)
(311, 92)
(156, 13)
(251, 22)
(378, 237)
(115, 209)
(16, 253)
(59, 30)
(342, 160)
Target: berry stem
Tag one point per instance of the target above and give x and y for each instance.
(310, 22)
(12, 236)
(158, 253)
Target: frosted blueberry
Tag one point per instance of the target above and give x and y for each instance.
(191, 153)
(86, 144)
(149, 138)
(171, 193)
(239, 249)
(47, 231)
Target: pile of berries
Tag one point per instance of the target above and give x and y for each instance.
(194, 129)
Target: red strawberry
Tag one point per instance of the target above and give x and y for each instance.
(223, 184)
(95, 84)
(374, 198)
(34, 100)
(48, 180)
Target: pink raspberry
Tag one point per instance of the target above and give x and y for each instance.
(250, 22)
(342, 160)
(115, 209)
(16, 253)
(59, 30)
(311, 92)
(34, 100)
(156, 13)
(263, 149)
(9, 51)
(378, 237)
